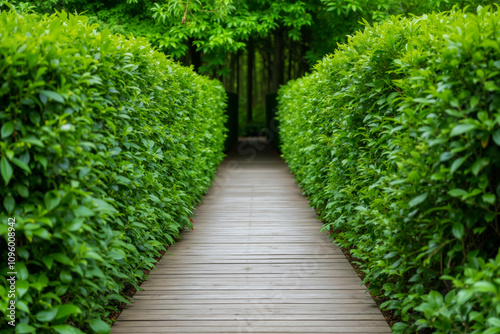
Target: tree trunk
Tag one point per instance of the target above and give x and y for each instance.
(238, 76)
(278, 61)
(255, 91)
(232, 74)
(263, 85)
(290, 62)
(267, 59)
(250, 66)
(195, 55)
(304, 43)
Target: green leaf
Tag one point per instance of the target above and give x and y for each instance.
(450, 296)
(83, 172)
(42, 233)
(494, 321)
(76, 224)
(65, 277)
(22, 328)
(119, 298)
(496, 137)
(99, 326)
(492, 330)
(22, 190)
(51, 95)
(67, 329)
(474, 192)
(7, 129)
(456, 164)
(22, 271)
(478, 165)
(446, 156)
(399, 327)
(457, 192)
(21, 306)
(418, 200)
(476, 316)
(9, 203)
(21, 165)
(6, 170)
(67, 310)
(462, 128)
(61, 289)
(116, 254)
(435, 299)
(61, 258)
(485, 287)
(48, 261)
(32, 140)
(52, 199)
(22, 287)
(489, 198)
(48, 315)
(458, 230)
(83, 211)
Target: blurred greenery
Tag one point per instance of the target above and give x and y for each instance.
(288, 36)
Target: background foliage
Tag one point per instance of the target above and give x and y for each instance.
(395, 139)
(106, 147)
(252, 46)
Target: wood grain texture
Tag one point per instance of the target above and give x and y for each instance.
(255, 262)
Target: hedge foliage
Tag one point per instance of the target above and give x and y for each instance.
(395, 139)
(106, 148)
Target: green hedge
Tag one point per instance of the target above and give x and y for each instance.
(395, 139)
(107, 146)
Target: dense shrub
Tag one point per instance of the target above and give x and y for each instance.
(395, 139)
(106, 147)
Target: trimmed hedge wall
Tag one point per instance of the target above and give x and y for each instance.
(395, 139)
(106, 148)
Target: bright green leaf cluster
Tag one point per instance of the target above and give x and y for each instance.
(106, 148)
(395, 139)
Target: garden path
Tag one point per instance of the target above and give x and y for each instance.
(254, 263)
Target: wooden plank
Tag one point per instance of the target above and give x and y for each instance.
(252, 329)
(254, 323)
(245, 301)
(255, 257)
(256, 262)
(293, 277)
(256, 266)
(181, 274)
(189, 259)
(268, 307)
(293, 294)
(256, 314)
(147, 316)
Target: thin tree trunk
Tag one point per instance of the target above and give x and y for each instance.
(263, 83)
(232, 74)
(238, 76)
(266, 56)
(255, 93)
(278, 61)
(304, 42)
(195, 55)
(250, 65)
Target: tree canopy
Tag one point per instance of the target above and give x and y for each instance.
(218, 28)
(268, 42)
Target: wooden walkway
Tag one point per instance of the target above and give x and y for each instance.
(254, 263)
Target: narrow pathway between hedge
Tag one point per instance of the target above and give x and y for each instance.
(254, 263)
